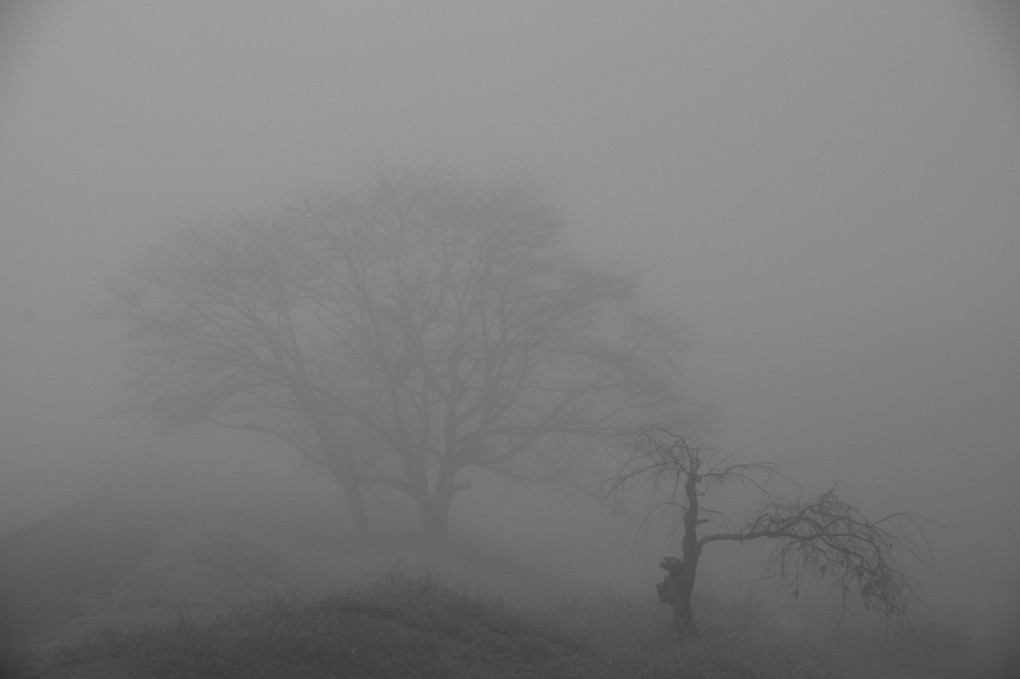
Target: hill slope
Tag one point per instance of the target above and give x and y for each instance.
(400, 627)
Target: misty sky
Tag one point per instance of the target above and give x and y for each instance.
(826, 193)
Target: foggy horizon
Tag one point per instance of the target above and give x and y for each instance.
(825, 195)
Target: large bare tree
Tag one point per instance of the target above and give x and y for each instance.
(397, 333)
(815, 537)
(467, 337)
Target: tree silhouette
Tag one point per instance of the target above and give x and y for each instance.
(468, 337)
(217, 329)
(822, 536)
(395, 334)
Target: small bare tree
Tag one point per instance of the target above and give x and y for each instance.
(821, 536)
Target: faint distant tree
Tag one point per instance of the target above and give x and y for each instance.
(817, 537)
(466, 336)
(220, 327)
(396, 333)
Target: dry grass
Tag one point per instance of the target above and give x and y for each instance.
(408, 627)
(178, 613)
(400, 627)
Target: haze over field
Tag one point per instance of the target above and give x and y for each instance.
(826, 194)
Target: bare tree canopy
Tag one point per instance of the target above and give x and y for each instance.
(817, 537)
(397, 333)
(469, 337)
(220, 328)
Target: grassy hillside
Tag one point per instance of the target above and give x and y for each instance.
(117, 587)
(405, 627)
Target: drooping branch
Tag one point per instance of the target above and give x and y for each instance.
(826, 536)
(818, 537)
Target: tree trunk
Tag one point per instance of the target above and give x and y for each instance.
(435, 510)
(356, 506)
(434, 520)
(678, 588)
(343, 469)
(683, 613)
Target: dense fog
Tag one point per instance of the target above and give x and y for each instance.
(825, 195)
